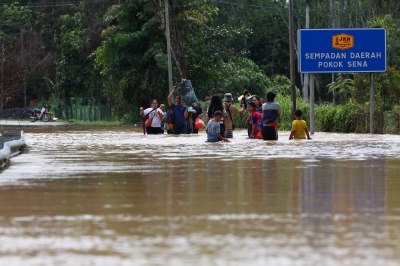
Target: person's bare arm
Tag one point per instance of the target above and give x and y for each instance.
(241, 110)
(141, 111)
(291, 134)
(222, 138)
(253, 130)
(248, 120)
(186, 113)
(161, 114)
(170, 96)
(307, 133)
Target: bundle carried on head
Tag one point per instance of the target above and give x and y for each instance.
(247, 95)
(186, 90)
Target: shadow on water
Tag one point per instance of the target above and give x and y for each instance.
(111, 196)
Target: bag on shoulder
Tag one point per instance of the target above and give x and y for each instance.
(148, 122)
(169, 117)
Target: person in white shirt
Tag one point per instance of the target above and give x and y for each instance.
(156, 114)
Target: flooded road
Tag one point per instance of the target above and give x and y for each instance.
(81, 195)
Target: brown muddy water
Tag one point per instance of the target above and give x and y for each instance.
(81, 195)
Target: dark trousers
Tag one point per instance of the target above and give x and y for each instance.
(153, 130)
(249, 129)
(270, 133)
(180, 128)
(222, 130)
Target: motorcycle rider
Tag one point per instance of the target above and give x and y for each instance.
(42, 111)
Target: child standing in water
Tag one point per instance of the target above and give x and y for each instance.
(255, 121)
(299, 127)
(213, 128)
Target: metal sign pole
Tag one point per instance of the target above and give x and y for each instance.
(372, 105)
(312, 104)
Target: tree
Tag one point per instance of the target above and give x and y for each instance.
(186, 17)
(344, 88)
(19, 18)
(132, 57)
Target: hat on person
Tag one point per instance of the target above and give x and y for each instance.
(228, 97)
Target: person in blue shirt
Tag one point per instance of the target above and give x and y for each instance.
(180, 111)
(213, 128)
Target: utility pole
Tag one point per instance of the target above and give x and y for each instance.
(306, 76)
(334, 91)
(168, 45)
(292, 59)
(312, 116)
(2, 75)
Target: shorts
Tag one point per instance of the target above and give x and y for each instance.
(230, 134)
(270, 133)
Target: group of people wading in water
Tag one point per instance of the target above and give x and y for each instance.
(261, 122)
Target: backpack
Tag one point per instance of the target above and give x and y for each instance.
(169, 117)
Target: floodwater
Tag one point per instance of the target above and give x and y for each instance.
(83, 195)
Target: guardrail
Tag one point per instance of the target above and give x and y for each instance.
(11, 142)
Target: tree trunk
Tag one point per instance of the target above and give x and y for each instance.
(2, 76)
(317, 88)
(63, 105)
(21, 33)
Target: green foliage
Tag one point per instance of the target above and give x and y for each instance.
(73, 68)
(392, 36)
(132, 56)
(16, 18)
(343, 87)
(280, 84)
(243, 74)
(387, 88)
(349, 117)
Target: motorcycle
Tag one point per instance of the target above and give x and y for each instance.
(46, 116)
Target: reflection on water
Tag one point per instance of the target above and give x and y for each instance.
(111, 196)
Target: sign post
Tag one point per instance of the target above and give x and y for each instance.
(312, 118)
(342, 51)
(372, 105)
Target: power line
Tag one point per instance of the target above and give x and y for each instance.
(54, 4)
(240, 4)
(73, 3)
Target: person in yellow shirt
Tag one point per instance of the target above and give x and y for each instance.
(299, 127)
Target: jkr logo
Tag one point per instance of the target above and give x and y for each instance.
(343, 41)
